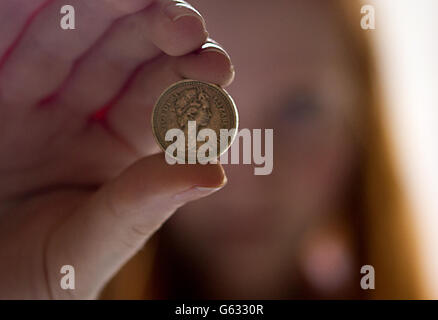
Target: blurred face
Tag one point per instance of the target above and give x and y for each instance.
(292, 75)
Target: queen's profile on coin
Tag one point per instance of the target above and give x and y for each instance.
(193, 105)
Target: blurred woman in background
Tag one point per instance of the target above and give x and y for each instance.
(333, 202)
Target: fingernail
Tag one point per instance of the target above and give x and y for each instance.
(233, 71)
(195, 193)
(214, 47)
(176, 11)
(210, 47)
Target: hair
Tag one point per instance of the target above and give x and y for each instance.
(388, 239)
(382, 215)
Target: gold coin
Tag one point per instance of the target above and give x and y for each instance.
(191, 106)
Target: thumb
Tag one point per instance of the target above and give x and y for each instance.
(103, 234)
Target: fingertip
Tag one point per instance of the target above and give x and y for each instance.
(211, 64)
(208, 179)
(187, 29)
(210, 176)
(153, 175)
(176, 10)
(219, 62)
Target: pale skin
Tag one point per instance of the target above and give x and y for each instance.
(77, 187)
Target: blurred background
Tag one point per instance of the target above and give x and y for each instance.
(355, 153)
(408, 50)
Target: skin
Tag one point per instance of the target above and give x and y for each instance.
(80, 186)
(263, 236)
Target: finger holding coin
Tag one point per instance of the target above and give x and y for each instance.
(130, 115)
(212, 57)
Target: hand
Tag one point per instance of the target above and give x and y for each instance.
(79, 184)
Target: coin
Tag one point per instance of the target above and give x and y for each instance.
(192, 102)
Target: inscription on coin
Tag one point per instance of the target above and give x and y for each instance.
(192, 105)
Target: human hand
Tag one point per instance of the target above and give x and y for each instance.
(79, 182)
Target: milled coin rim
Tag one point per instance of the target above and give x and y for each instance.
(227, 96)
